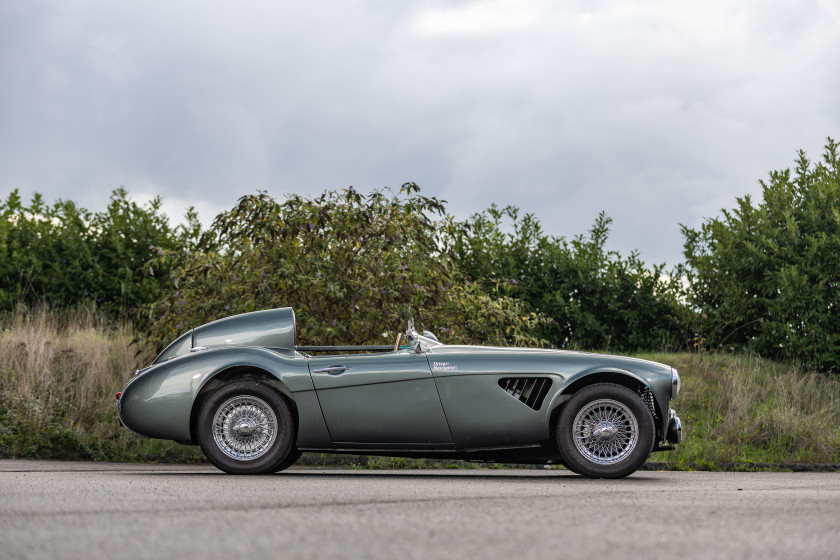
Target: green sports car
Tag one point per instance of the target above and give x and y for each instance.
(254, 401)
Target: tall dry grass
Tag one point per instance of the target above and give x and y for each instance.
(69, 362)
(59, 372)
(741, 409)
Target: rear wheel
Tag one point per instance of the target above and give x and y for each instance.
(246, 427)
(605, 431)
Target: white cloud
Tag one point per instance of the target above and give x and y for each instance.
(487, 17)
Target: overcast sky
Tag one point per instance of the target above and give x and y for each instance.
(657, 112)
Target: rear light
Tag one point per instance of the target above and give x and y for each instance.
(119, 395)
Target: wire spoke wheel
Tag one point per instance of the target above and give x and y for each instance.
(247, 427)
(605, 431)
(244, 428)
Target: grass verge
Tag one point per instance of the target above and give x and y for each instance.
(739, 411)
(59, 372)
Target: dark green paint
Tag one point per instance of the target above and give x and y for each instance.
(443, 399)
(383, 398)
(272, 328)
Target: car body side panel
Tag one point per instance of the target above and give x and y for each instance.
(312, 430)
(158, 402)
(481, 413)
(398, 414)
(386, 398)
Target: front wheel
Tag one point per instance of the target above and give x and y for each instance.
(605, 431)
(246, 427)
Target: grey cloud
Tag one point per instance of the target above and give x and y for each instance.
(656, 113)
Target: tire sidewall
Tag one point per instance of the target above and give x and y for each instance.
(281, 449)
(565, 431)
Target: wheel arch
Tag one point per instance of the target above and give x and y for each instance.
(240, 373)
(623, 378)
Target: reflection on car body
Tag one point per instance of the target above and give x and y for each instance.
(253, 400)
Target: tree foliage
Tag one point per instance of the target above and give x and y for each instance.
(763, 275)
(349, 264)
(596, 298)
(66, 255)
(767, 275)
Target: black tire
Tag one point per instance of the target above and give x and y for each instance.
(568, 467)
(290, 460)
(246, 427)
(605, 431)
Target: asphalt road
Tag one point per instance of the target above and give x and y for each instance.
(120, 511)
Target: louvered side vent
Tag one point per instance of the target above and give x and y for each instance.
(647, 396)
(529, 390)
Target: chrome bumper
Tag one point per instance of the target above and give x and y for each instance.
(674, 434)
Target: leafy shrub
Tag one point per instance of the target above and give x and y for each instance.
(596, 298)
(67, 256)
(350, 265)
(767, 275)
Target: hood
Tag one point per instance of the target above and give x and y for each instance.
(492, 359)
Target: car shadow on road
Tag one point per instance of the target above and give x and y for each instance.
(530, 476)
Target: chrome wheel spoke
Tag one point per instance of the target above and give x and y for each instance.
(605, 431)
(245, 428)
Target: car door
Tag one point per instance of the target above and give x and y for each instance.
(385, 400)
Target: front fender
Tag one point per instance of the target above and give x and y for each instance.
(652, 380)
(158, 402)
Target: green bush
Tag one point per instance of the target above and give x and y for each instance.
(66, 256)
(767, 275)
(596, 298)
(350, 265)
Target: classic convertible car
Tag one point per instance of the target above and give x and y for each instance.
(254, 401)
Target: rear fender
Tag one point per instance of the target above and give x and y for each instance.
(159, 403)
